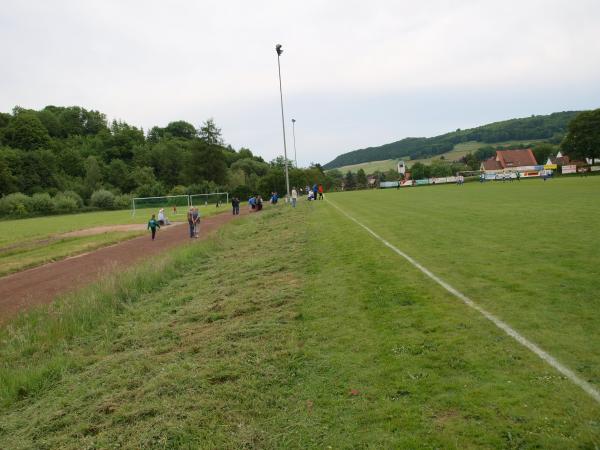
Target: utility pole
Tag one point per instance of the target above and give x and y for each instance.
(279, 51)
(294, 134)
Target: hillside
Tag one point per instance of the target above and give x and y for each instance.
(550, 127)
(459, 151)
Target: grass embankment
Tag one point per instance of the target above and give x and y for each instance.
(26, 243)
(291, 328)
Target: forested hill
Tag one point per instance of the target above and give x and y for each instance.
(551, 127)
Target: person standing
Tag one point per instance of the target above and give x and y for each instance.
(196, 218)
(190, 219)
(235, 203)
(294, 196)
(153, 226)
(315, 190)
(320, 192)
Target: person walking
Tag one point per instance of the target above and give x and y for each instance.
(294, 196)
(153, 226)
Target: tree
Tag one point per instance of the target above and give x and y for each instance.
(419, 171)
(543, 151)
(583, 136)
(93, 173)
(361, 179)
(206, 162)
(181, 129)
(210, 133)
(349, 181)
(26, 132)
(118, 175)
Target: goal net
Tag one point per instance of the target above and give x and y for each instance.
(214, 198)
(172, 204)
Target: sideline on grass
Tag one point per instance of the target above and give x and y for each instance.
(548, 358)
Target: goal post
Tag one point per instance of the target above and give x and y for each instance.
(214, 198)
(173, 204)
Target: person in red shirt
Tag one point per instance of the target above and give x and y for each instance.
(320, 192)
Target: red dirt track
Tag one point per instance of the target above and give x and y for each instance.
(43, 284)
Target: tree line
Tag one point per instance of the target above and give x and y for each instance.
(60, 159)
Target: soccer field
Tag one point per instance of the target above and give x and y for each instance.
(526, 251)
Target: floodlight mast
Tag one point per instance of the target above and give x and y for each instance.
(294, 134)
(279, 51)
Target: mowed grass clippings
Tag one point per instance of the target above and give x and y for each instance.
(199, 360)
(292, 329)
(526, 251)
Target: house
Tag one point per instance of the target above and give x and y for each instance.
(521, 160)
(559, 159)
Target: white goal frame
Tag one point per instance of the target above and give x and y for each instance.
(156, 198)
(226, 194)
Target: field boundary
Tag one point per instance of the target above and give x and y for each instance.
(542, 354)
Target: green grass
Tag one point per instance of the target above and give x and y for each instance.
(24, 230)
(320, 337)
(526, 251)
(455, 154)
(26, 243)
(21, 258)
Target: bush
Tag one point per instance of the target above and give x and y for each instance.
(65, 204)
(122, 201)
(242, 192)
(42, 203)
(16, 204)
(102, 199)
(178, 190)
(75, 196)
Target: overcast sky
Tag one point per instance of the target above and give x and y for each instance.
(355, 73)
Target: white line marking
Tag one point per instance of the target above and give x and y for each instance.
(587, 387)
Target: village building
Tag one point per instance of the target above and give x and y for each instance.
(512, 161)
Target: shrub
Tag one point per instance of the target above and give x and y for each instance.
(178, 190)
(122, 201)
(102, 199)
(42, 203)
(75, 196)
(65, 204)
(16, 204)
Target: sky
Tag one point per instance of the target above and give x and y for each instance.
(355, 74)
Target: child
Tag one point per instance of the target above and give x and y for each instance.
(153, 226)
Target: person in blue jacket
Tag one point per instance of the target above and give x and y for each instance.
(315, 190)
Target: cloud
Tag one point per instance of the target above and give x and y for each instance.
(353, 72)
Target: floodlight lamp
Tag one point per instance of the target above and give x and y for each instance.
(278, 49)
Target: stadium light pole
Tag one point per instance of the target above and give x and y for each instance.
(279, 51)
(294, 134)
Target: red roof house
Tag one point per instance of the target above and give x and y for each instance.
(510, 159)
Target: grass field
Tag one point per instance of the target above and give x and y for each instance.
(26, 243)
(323, 338)
(455, 154)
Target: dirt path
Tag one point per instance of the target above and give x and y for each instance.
(42, 284)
